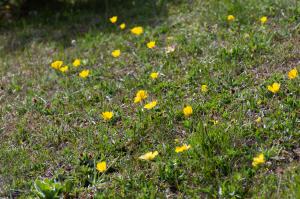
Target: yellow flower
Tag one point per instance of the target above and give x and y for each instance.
(123, 26)
(150, 105)
(101, 166)
(187, 111)
(260, 159)
(293, 73)
(137, 99)
(215, 122)
(76, 62)
(154, 75)
(116, 53)
(230, 18)
(258, 120)
(151, 44)
(137, 30)
(140, 95)
(204, 88)
(84, 73)
(149, 156)
(113, 19)
(56, 64)
(182, 148)
(107, 115)
(274, 88)
(263, 19)
(64, 69)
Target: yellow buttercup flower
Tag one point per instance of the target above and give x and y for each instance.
(64, 69)
(107, 115)
(76, 62)
(137, 30)
(274, 88)
(123, 26)
(263, 20)
(84, 73)
(150, 105)
(182, 148)
(293, 73)
(258, 120)
(260, 159)
(151, 44)
(230, 18)
(137, 99)
(113, 19)
(187, 111)
(204, 88)
(149, 156)
(116, 53)
(101, 166)
(154, 75)
(56, 64)
(140, 95)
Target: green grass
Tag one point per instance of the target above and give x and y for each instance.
(51, 125)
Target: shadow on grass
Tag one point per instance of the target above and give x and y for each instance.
(61, 23)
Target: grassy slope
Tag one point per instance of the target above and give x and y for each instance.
(51, 124)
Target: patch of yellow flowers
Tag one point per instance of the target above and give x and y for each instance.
(58, 65)
(142, 94)
(262, 20)
(275, 87)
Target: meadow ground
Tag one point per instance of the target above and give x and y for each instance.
(239, 139)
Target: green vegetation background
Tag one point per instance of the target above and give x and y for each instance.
(51, 126)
